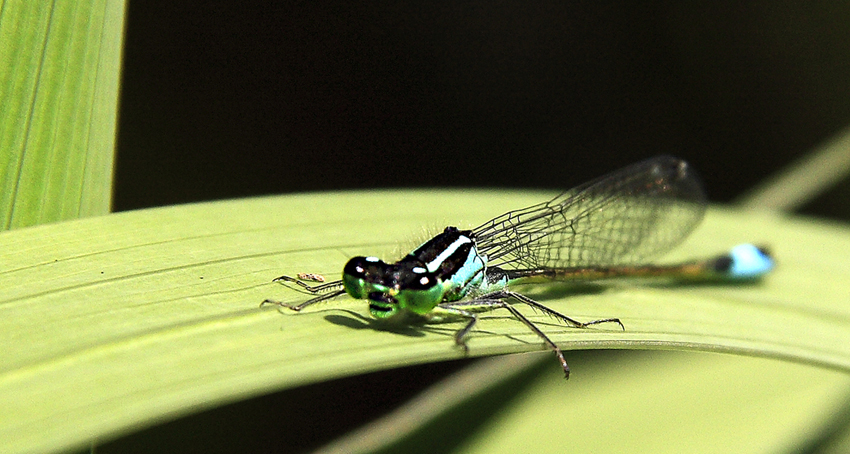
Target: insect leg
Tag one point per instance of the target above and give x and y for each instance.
(309, 302)
(488, 303)
(443, 313)
(505, 294)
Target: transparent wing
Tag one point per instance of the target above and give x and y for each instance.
(623, 218)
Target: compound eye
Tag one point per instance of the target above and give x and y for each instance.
(360, 267)
(421, 279)
(361, 274)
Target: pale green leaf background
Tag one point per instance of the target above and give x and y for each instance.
(128, 318)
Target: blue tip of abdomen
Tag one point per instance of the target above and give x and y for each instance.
(745, 261)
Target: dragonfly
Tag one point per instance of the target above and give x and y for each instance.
(608, 227)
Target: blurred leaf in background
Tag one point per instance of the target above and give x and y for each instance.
(59, 72)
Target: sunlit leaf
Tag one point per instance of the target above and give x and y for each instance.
(126, 319)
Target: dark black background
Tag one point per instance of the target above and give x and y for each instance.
(225, 99)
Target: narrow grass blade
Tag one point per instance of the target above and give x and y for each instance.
(59, 72)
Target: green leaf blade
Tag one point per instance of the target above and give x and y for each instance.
(695, 403)
(126, 319)
(59, 92)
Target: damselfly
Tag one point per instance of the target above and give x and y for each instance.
(608, 227)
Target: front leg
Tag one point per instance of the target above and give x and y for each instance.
(314, 289)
